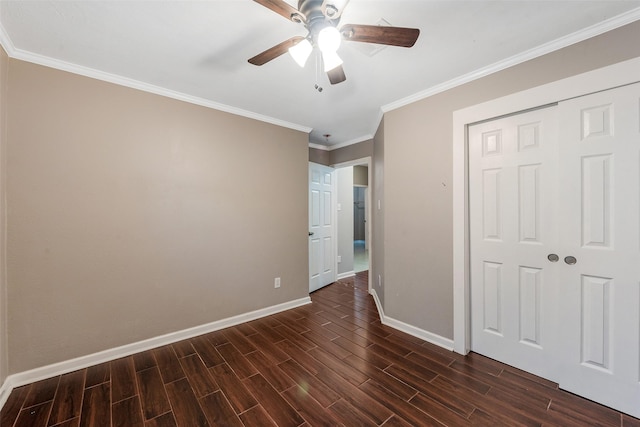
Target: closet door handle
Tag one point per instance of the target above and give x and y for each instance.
(570, 260)
(553, 257)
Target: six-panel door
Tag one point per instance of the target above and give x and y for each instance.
(513, 229)
(321, 229)
(555, 244)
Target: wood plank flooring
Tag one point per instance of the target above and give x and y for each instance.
(328, 363)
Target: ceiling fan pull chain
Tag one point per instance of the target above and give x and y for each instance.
(317, 86)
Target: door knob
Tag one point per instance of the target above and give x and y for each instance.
(553, 257)
(570, 260)
(311, 233)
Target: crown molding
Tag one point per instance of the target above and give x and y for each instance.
(576, 37)
(319, 147)
(562, 42)
(135, 84)
(6, 42)
(342, 144)
(351, 142)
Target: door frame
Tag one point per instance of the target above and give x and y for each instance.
(367, 220)
(361, 162)
(620, 74)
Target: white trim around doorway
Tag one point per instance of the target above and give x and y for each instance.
(362, 162)
(620, 74)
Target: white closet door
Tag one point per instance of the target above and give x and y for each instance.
(600, 216)
(563, 181)
(512, 196)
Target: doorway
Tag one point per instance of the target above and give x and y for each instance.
(353, 256)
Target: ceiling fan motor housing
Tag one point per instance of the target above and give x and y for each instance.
(315, 17)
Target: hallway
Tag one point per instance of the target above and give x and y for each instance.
(360, 257)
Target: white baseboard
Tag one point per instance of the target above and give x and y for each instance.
(5, 391)
(419, 333)
(346, 275)
(411, 330)
(37, 374)
(373, 293)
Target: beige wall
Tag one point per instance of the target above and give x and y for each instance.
(4, 80)
(352, 152)
(376, 270)
(344, 180)
(321, 157)
(127, 219)
(418, 174)
(132, 215)
(361, 176)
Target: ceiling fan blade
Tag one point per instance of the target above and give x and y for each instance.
(336, 75)
(275, 51)
(280, 7)
(392, 36)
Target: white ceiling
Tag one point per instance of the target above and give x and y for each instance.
(198, 51)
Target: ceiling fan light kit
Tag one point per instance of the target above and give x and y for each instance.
(331, 60)
(329, 39)
(301, 51)
(321, 18)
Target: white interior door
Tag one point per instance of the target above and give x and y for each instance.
(512, 176)
(600, 152)
(321, 227)
(555, 244)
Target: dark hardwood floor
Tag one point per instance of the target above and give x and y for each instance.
(325, 364)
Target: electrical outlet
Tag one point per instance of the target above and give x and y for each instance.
(339, 258)
(276, 283)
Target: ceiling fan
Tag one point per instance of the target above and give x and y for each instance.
(321, 19)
